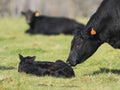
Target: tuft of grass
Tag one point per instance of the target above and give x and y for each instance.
(99, 72)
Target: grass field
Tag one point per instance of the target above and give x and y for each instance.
(99, 72)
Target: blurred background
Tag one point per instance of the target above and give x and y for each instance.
(64, 8)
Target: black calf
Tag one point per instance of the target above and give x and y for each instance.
(57, 69)
(50, 25)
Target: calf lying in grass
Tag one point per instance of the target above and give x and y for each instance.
(58, 69)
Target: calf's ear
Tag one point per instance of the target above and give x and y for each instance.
(21, 57)
(22, 13)
(32, 59)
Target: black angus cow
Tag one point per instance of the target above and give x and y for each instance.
(57, 69)
(103, 26)
(49, 25)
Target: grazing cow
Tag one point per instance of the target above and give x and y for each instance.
(39, 68)
(49, 25)
(103, 26)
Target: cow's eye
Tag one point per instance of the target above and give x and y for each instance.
(77, 45)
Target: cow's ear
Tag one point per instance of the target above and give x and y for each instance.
(92, 31)
(30, 10)
(37, 14)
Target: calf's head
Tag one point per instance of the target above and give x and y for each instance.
(83, 45)
(29, 15)
(25, 62)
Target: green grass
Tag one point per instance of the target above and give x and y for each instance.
(99, 72)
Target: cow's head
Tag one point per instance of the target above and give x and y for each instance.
(83, 45)
(29, 15)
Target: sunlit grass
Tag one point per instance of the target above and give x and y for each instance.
(99, 72)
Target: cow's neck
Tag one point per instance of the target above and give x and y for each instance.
(114, 40)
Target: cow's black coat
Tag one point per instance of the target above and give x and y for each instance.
(106, 25)
(50, 25)
(39, 68)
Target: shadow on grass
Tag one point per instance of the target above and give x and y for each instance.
(7, 68)
(68, 86)
(106, 70)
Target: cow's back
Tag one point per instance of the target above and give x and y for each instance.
(55, 25)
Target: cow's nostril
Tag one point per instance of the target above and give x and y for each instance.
(71, 63)
(68, 63)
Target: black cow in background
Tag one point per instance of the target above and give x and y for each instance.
(103, 26)
(49, 25)
(41, 68)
